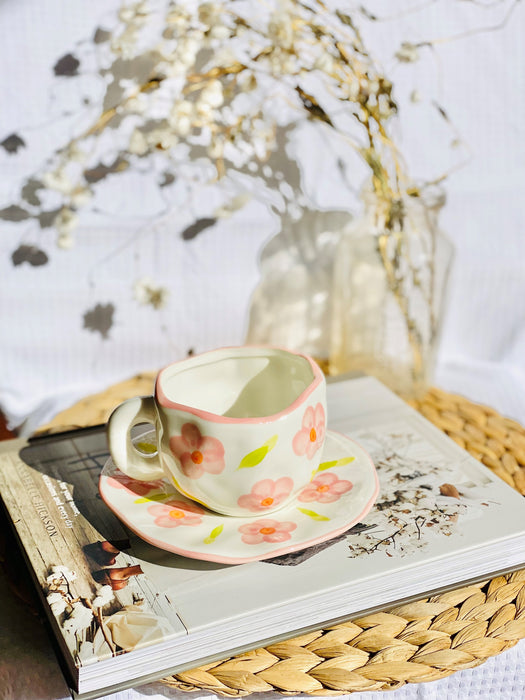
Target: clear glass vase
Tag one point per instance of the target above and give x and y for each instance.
(389, 290)
(291, 304)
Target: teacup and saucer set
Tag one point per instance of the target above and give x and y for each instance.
(239, 465)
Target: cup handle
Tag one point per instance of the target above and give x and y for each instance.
(125, 455)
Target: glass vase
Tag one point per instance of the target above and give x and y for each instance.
(389, 290)
(291, 305)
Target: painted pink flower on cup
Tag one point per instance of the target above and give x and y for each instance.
(175, 513)
(197, 453)
(138, 488)
(266, 494)
(311, 436)
(266, 530)
(325, 488)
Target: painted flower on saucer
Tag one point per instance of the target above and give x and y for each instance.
(267, 530)
(176, 513)
(325, 488)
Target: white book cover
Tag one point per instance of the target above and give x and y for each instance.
(441, 520)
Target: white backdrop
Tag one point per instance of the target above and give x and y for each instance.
(49, 360)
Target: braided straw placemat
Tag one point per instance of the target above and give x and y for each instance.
(418, 642)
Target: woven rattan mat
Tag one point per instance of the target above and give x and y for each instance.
(418, 642)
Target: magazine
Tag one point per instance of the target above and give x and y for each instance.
(441, 520)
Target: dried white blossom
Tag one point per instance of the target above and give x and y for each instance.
(181, 117)
(220, 31)
(65, 221)
(137, 143)
(178, 18)
(407, 52)
(163, 138)
(61, 573)
(65, 241)
(137, 104)
(87, 651)
(80, 196)
(58, 180)
(280, 29)
(57, 602)
(212, 94)
(79, 619)
(185, 55)
(75, 153)
(146, 292)
(216, 148)
(227, 209)
(103, 597)
(350, 88)
(325, 62)
(125, 44)
(283, 63)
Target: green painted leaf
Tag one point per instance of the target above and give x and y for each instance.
(334, 463)
(146, 447)
(312, 514)
(270, 444)
(154, 497)
(252, 459)
(214, 534)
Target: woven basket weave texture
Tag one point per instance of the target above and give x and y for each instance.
(418, 642)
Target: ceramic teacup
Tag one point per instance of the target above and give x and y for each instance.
(239, 430)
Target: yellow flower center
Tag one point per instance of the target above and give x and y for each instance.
(323, 488)
(196, 457)
(267, 501)
(176, 514)
(313, 435)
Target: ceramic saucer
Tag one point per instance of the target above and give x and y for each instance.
(341, 493)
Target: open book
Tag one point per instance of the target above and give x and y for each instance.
(441, 520)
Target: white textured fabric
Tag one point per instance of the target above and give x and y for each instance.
(49, 360)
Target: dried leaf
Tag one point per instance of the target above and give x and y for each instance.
(449, 490)
(100, 171)
(167, 179)
(29, 191)
(113, 97)
(101, 35)
(139, 69)
(99, 319)
(46, 219)
(29, 254)
(12, 143)
(197, 227)
(14, 213)
(67, 66)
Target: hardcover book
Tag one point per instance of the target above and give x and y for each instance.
(125, 612)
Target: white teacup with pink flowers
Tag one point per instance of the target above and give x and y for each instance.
(239, 430)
